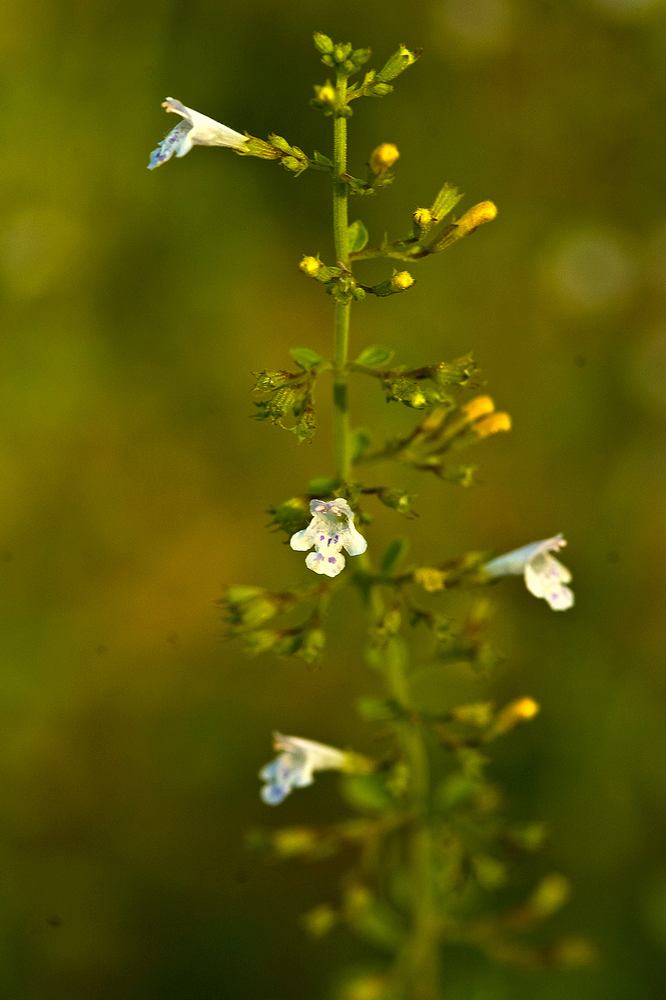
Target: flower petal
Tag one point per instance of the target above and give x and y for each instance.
(352, 540)
(326, 565)
(206, 131)
(175, 143)
(303, 540)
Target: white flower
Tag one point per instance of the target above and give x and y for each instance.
(331, 529)
(544, 575)
(195, 130)
(295, 765)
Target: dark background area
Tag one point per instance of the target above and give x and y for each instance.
(135, 306)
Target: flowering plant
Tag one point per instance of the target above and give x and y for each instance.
(433, 843)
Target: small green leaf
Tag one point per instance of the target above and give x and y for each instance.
(375, 356)
(321, 160)
(361, 441)
(305, 357)
(394, 554)
(366, 792)
(379, 709)
(447, 199)
(357, 235)
(321, 486)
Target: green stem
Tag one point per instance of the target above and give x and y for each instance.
(417, 966)
(417, 969)
(341, 428)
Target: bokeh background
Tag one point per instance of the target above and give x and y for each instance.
(133, 486)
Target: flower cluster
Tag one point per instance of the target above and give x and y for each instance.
(330, 530)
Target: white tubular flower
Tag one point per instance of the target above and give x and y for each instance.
(195, 130)
(544, 575)
(295, 765)
(330, 530)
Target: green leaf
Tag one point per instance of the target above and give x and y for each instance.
(321, 486)
(366, 792)
(379, 709)
(447, 199)
(321, 160)
(357, 235)
(394, 554)
(361, 441)
(375, 356)
(305, 357)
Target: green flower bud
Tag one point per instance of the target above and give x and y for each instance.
(323, 43)
(398, 63)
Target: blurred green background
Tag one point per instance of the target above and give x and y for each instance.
(135, 306)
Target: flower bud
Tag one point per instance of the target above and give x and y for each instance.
(430, 579)
(397, 64)
(382, 89)
(383, 157)
(481, 406)
(485, 211)
(310, 266)
(326, 94)
(323, 43)
(493, 424)
(521, 710)
(550, 895)
(401, 281)
(293, 841)
(422, 217)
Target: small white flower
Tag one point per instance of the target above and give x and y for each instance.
(295, 765)
(330, 530)
(545, 576)
(195, 130)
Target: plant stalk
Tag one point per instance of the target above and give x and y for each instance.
(341, 428)
(417, 966)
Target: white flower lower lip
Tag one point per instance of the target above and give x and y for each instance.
(295, 765)
(544, 575)
(330, 530)
(194, 130)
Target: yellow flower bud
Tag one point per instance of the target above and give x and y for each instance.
(310, 266)
(366, 987)
(551, 893)
(431, 579)
(383, 157)
(402, 281)
(294, 840)
(525, 708)
(422, 216)
(485, 211)
(493, 424)
(481, 406)
(521, 710)
(326, 94)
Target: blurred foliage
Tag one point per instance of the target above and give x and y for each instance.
(133, 487)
